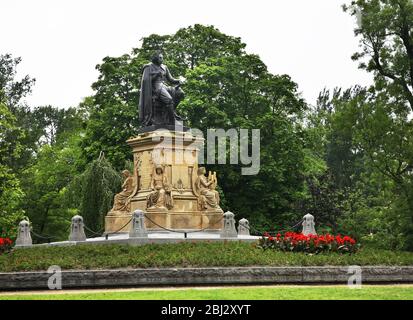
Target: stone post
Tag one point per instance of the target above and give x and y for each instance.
(243, 227)
(138, 229)
(77, 229)
(308, 225)
(229, 230)
(23, 234)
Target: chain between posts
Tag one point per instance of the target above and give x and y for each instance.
(93, 232)
(117, 231)
(48, 238)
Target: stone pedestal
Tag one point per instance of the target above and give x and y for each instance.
(24, 237)
(77, 229)
(177, 153)
(229, 230)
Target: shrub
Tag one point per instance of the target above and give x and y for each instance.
(298, 242)
(5, 245)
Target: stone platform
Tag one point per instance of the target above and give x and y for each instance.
(153, 237)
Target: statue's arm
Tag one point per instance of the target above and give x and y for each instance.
(205, 183)
(170, 78)
(130, 184)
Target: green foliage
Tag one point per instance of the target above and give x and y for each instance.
(10, 190)
(263, 101)
(45, 125)
(93, 192)
(386, 38)
(51, 164)
(185, 255)
(368, 149)
(12, 91)
(45, 184)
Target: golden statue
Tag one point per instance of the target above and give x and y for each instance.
(160, 197)
(122, 200)
(204, 189)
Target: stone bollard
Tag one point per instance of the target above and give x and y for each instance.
(243, 227)
(308, 225)
(77, 229)
(138, 229)
(229, 230)
(23, 234)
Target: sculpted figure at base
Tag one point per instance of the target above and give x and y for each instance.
(158, 100)
(122, 200)
(160, 197)
(204, 188)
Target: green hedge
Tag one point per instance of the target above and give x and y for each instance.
(184, 255)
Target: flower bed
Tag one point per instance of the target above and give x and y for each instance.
(5, 245)
(298, 242)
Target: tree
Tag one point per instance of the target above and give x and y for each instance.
(45, 184)
(366, 144)
(238, 92)
(11, 146)
(93, 192)
(12, 91)
(384, 127)
(386, 38)
(10, 191)
(44, 125)
(55, 165)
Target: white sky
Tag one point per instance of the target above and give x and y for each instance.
(61, 41)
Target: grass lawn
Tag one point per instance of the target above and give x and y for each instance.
(403, 292)
(184, 255)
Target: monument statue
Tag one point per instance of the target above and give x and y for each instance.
(160, 197)
(204, 188)
(158, 101)
(181, 197)
(121, 202)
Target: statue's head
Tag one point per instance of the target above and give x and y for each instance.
(126, 173)
(159, 169)
(157, 57)
(308, 219)
(201, 171)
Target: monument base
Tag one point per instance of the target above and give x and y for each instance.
(162, 221)
(176, 152)
(118, 223)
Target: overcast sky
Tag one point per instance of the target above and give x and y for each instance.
(61, 41)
